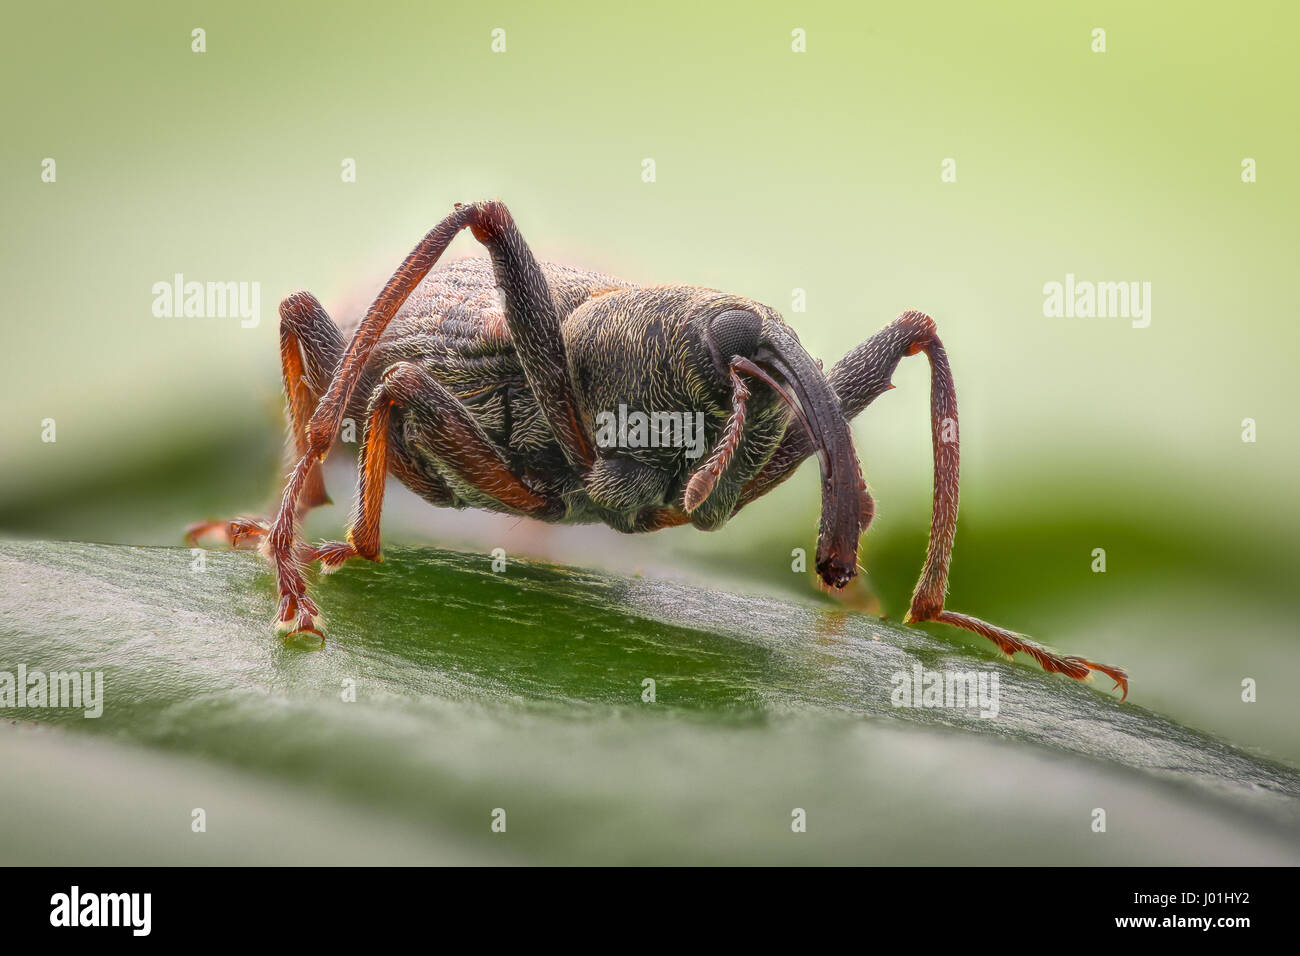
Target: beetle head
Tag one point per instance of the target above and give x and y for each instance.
(664, 347)
(764, 347)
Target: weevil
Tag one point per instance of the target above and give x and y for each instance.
(480, 384)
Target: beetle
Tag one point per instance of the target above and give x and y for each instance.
(480, 384)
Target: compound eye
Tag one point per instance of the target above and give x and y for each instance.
(734, 332)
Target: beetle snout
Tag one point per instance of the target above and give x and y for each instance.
(836, 573)
(846, 506)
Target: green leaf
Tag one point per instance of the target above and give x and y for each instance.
(523, 691)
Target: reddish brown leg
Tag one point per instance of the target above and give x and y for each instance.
(310, 346)
(242, 534)
(372, 470)
(534, 325)
(305, 329)
(928, 598)
(858, 379)
(442, 426)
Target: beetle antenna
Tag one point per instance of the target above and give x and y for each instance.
(706, 476)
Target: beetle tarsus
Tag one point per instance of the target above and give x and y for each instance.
(333, 554)
(238, 533)
(1009, 643)
(298, 614)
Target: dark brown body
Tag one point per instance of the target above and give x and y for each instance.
(640, 348)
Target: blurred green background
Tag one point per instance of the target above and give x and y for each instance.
(775, 171)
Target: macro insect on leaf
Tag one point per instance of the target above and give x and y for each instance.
(480, 384)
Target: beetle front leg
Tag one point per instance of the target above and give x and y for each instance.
(310, 347)
(534, 324)
(531, 315)
(861, 377)
(435, 420)
(281, 544)
(438, 422)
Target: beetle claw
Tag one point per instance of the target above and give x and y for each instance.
(312, 624)
(333, 554)
(238, 533)
(298, 614)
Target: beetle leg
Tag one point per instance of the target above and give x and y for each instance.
(238, 533)
(440, 423)
(310, 346)
(534, 324)
(372, 471)
(531, 316)
(324, 424)
(625, 485)
(860, 378)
